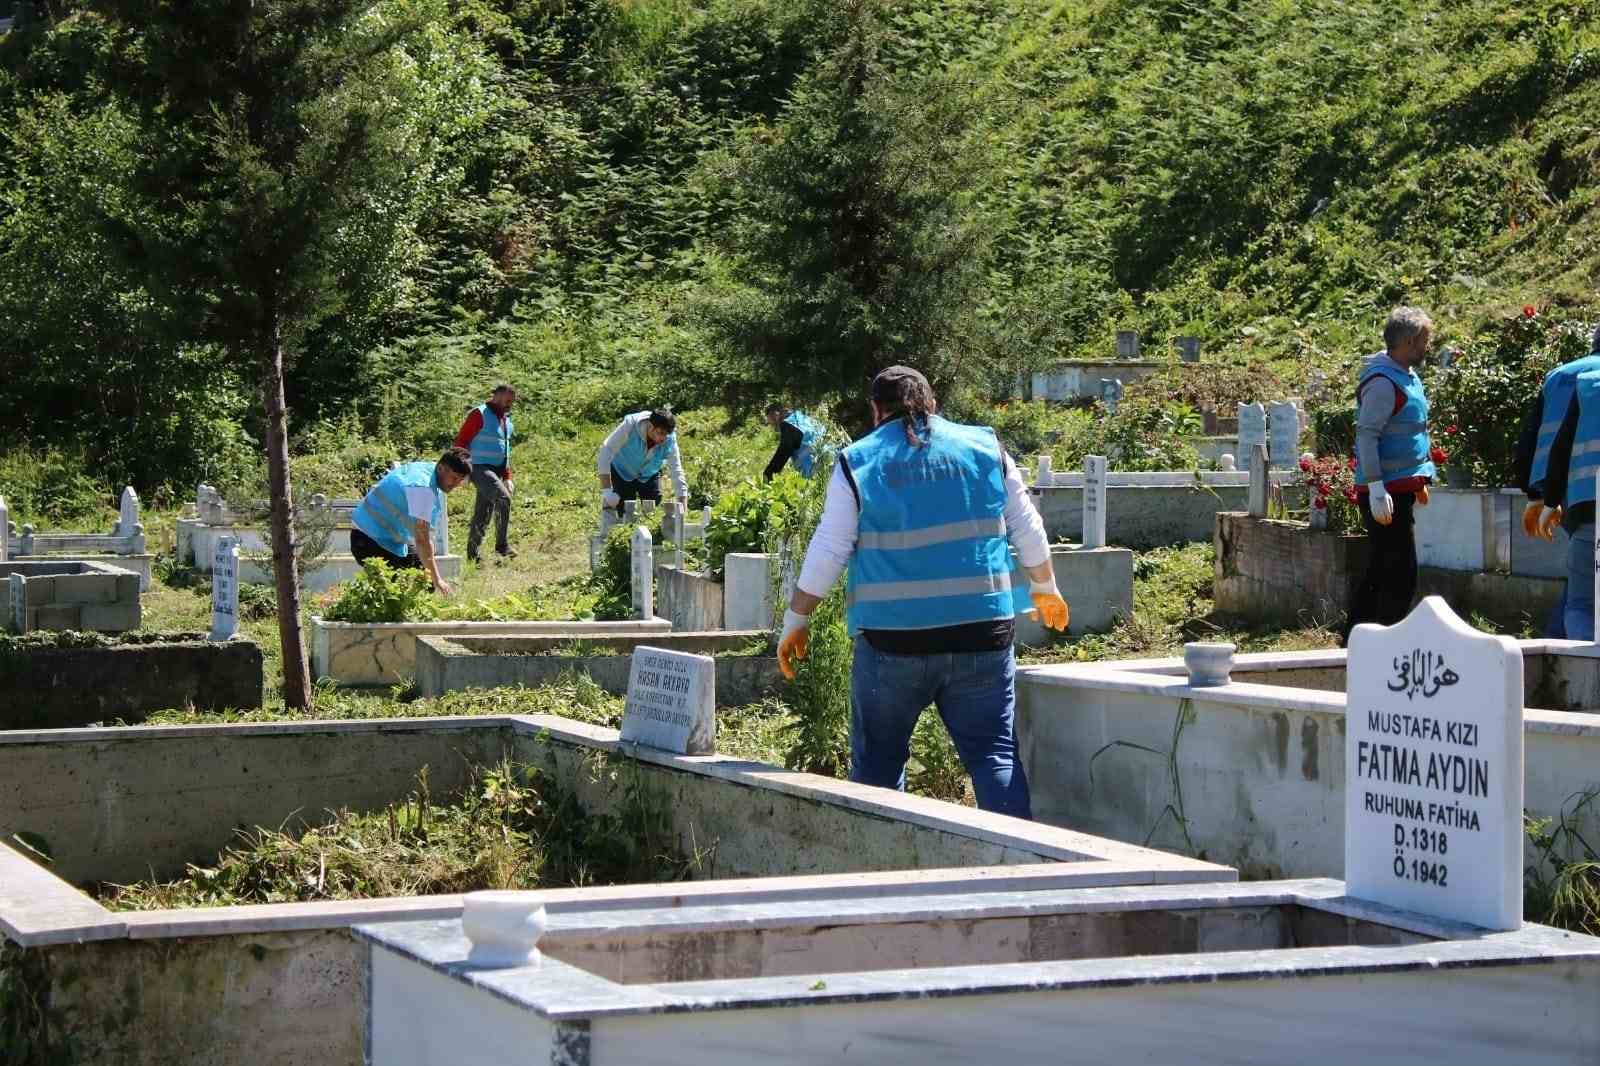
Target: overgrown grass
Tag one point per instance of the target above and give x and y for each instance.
(512, 827)
(1562, 886)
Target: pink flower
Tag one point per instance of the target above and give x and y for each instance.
(1352, 462)
(1305, 464)
(1320, 502)
(1351, 494)
(1450, 430)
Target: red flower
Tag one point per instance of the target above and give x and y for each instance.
(1450, 430)
(1438, 455)
(1528, 310)
(1305, 464)
(1351, 494)
(1352, 462)
(1320, 502)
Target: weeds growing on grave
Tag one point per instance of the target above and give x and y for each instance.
(1562, 886)
(512, 827)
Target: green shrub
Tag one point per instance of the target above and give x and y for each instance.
(749, 517)
(611, 583)
(819, 735)
(1144, 434)
(1025, 427)
(381, 593)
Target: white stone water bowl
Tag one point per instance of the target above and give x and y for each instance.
(504, 928)
(1209, 664)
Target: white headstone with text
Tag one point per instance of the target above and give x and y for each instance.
(1252, 427)
(128, 512)
(225, 589)
(1094, 501)
(644, 573)
(1433, 769)
(1283, 447)
(672, 699)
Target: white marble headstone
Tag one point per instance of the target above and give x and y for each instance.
(643, 576)
(672, 702)
(1433, 765)
(5, 529)
(1283, 420)
(225, 589)
(1259, 486)
(1094, 501)
(1252, 427)
(1043, 477)
(128, 512)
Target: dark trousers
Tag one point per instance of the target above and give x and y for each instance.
(644, 489)
(1390, 583)
(364, 547)
(493, 499)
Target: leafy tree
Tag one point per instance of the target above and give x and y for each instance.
(857, 230)
(308, 138)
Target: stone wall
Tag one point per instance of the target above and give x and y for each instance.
(1282, 572)
(1143, 516)
(62, 594)
(45, 687)
(691, 601)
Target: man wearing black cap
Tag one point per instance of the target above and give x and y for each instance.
(923, 512)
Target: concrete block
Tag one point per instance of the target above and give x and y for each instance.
(38, 592)
(110, 618)
(90, 588)
(689, 600)
(1097, 584)
(57, 616)
(128, 587)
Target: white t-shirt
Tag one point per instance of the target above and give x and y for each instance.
(420, 503)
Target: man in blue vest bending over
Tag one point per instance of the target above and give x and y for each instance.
(1394, 466)
(630, 460)
(924, 512)
(486, 434)
(396, 519)
(798, 434)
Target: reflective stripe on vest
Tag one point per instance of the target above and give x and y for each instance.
(492, 445)
(1557, 392)
(914, 567)
(634, 461)
(383, 514)
(1586, 442)
(805, 458)
(1403, 445)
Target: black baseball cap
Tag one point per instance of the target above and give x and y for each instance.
(884, 385)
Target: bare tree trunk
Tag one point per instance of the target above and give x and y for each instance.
(296, 671)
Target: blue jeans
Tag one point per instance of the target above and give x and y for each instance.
(976, 694)
(1580, 583)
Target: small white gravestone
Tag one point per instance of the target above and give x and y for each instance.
(671, 705)
(1094, 501)
(644, 572)
(128, 512)
(1227, 462)
(1189, 349)
(5, 529)
(1257, 501)
(225, 589)
(1283, 420)
(1252, 427)
(1127, 344)
(1433, 766)
(1043, 477)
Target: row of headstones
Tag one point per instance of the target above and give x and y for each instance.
(675, 526)
(213, 510)
(126, 539)
(1129, 346)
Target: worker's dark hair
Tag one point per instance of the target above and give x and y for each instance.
(774, 408)
(664, 419)
(502, 387)
(457, 459)
(903, 393)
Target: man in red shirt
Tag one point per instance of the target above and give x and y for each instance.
(486, 433)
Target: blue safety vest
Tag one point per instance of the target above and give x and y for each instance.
(1586, 443)
(1403, 445)
(1557, 393)
(635, 462)
(492, 445)
(383, 514)
(805, 460)
(931, 547)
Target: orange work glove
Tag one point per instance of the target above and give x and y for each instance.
(796, 642)
(1422, 496)
(1548, 524)
(1530, 518)
(1053, 612)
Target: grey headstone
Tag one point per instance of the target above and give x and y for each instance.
(1433, 757)
(1094, 501)
(5, 530)
(644, 572)
(1189, 349)
(671, 702)
(1258, 481)
(1252, 427)
(1283, 421)
(1127, 344)
(225, 589)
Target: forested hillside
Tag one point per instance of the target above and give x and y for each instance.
(613, 203)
